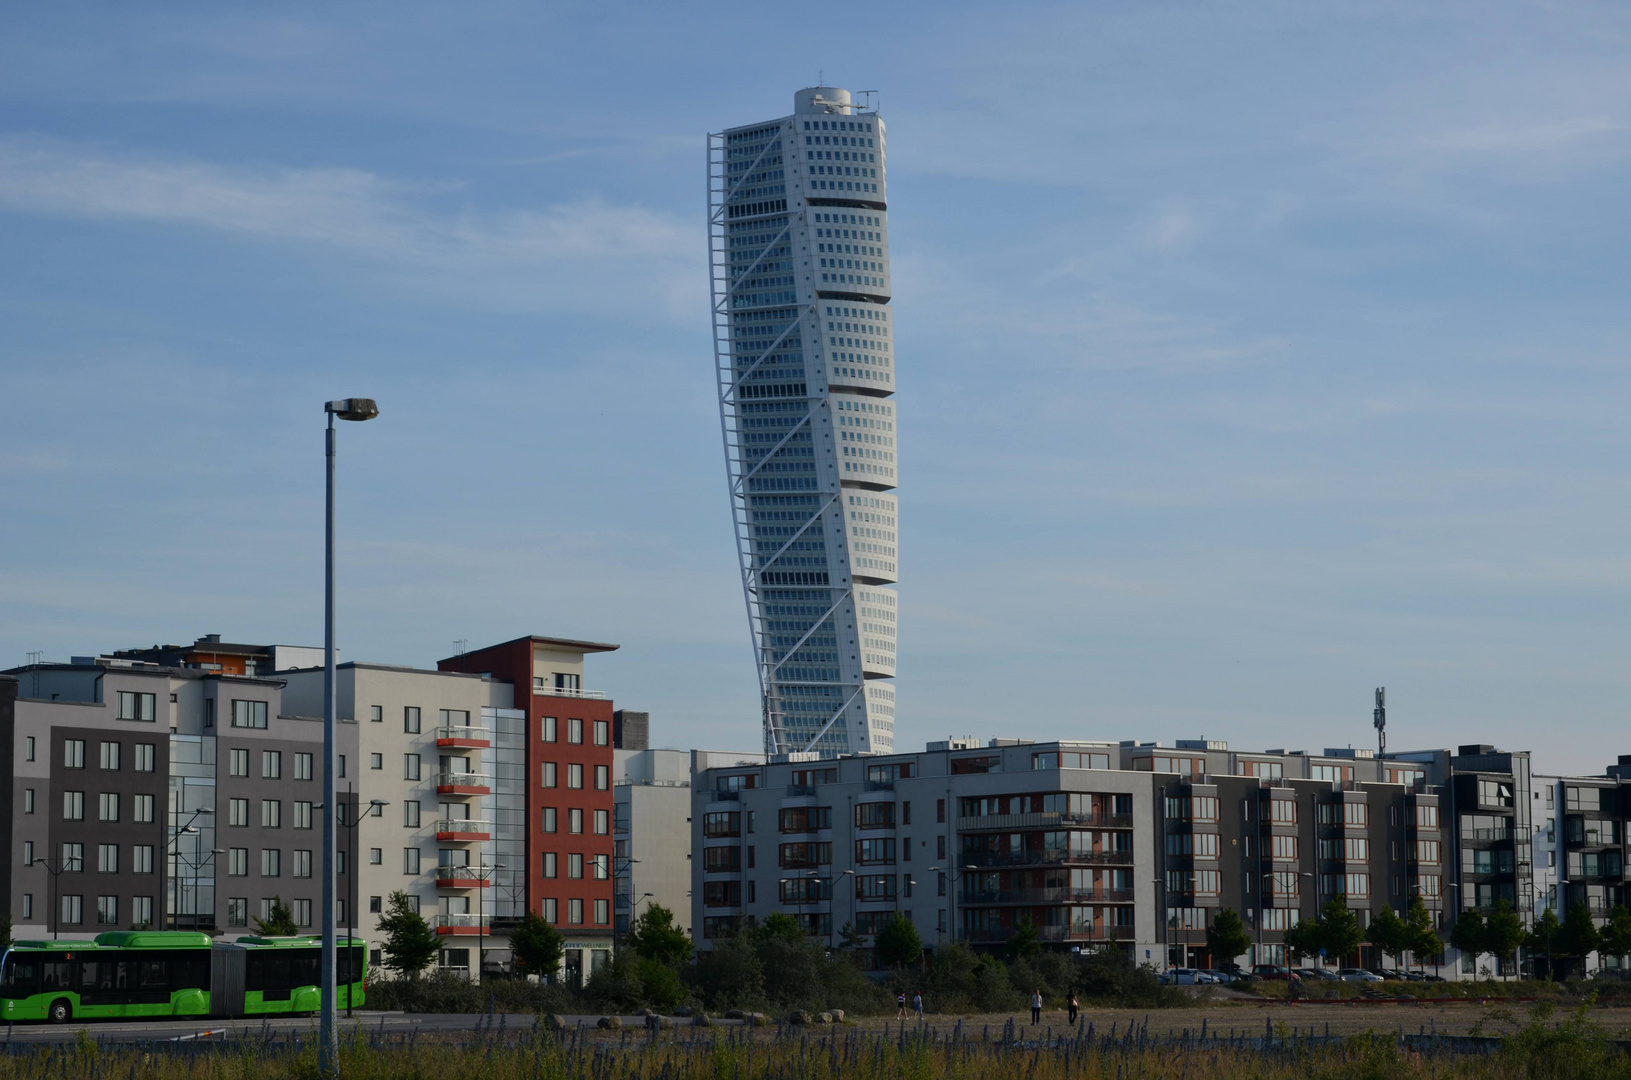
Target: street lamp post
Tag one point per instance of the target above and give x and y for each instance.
(56, 869)
(952, 878)
(328, 1058)
(178, 832)
(195, 867)
(483, 875)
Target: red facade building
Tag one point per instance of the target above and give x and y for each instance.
(569, 787)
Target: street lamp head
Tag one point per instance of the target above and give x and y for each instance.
(379, 802)
(206, 810)
(356, 408)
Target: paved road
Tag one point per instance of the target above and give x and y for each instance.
(123, 1031)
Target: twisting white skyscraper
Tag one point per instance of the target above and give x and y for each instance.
(798, 243)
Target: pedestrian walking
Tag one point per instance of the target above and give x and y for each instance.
(1036, 1006)
(900, 1005)
(1070, 1003)
(917, 1005)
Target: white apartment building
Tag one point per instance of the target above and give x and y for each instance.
(651, 830)
(804, 355)
(433, 787)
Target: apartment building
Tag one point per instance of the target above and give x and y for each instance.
(1097, 844)
(651, 830)
(116, 819)
(1580, 826)
(432, 801)
(568, 786)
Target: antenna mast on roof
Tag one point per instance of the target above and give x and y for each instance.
(1379, 719)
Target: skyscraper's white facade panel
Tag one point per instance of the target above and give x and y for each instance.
(805, 351)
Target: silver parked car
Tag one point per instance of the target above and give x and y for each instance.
(1358, 975)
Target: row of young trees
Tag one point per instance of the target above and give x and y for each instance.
(1336, 933)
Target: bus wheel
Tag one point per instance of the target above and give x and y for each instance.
(60, 1011)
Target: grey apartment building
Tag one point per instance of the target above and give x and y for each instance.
(117, 823)
(1128, 845)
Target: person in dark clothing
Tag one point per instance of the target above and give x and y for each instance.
(1071, 1004)
(1036, 1006)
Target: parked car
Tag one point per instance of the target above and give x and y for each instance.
(1316, 975)
(1358, 975)
(1189, 977)
(1274, 973)
(1219, 976)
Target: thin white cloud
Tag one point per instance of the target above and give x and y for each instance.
(583, 255)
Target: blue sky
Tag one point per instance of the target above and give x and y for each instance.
(1250, 356)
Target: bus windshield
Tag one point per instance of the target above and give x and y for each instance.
(19, 975)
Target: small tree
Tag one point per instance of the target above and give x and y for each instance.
(1467, 935)
(1389, 934)
(279, 921)
(1340, 932)
(1024, 943)
(1579, 935)
(1503, 931)
(1423, 941)
(1545, 932)
(1226, 938)
(537, 946)
(410, 944)
(849, 938)
(897, 943)
(1616, 936)
(655, 937)
(1303, 940)
(6, 941)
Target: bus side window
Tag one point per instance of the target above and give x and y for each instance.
(22, 977)
(189, 970)
(59, 975)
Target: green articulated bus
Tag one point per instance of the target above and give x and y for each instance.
(169, 973)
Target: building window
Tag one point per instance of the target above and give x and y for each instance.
(940, 810)
(376, 714)
(301, 910)
(28, 853)
(574, 775)
(141, 859)
(603, 733)
(574, 865)
(271, 765)
(374, 905)
(376, 856)
(410, 860)
(238, 862)
(73, 806)
(271, 814)
(107, 858)
(549, 819)
(28, 800)
(107, 806)
(603, 867)
(574, 731)
(271, 862)
(574, 912)
(107, 910)
(73, 858)
(302, 766)
(410, 814)
(249, 714)
(603, 912)
(574, 820)
(410, 766)
(547, 728)
(110, 756)
(603, 823)
(603, 777)
(73, 910)
(238, 911)
(551, 913)
(28, 748)
(73, 753)
(302, 815)
(238, 762)
(547, 775)
(140, 707)
(550, 868)
(302, 863)
(376, 761)
(143, 757)
(238, 813)
(141, 911)
(410, 719)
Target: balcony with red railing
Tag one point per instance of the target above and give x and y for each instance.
(467, 735)
(463, 783)
(464, 830)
